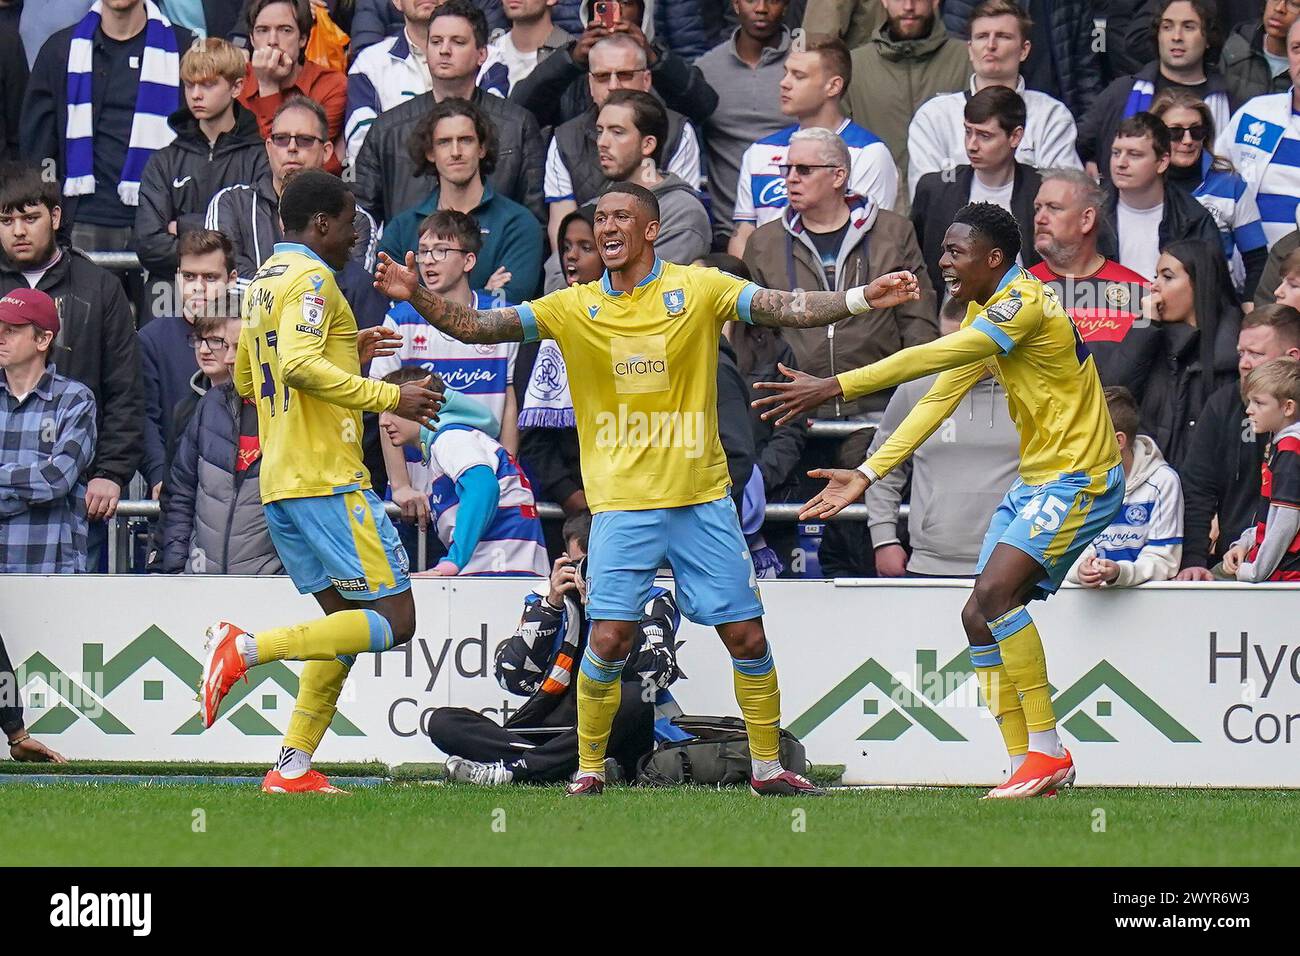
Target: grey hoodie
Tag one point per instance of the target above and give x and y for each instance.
(684, 230)
(959, 476)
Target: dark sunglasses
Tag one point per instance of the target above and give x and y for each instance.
(305, 141)
(803, 169)
(1176, 133)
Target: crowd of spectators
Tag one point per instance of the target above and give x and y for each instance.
(1146, 148)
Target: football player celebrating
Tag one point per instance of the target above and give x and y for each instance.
(646, 339)
(298, 359)
(1071, 482)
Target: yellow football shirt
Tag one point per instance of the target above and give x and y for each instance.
(298, 360)
(1026, 338)
(643, 374)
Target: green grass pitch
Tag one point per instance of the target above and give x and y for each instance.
(423, 825)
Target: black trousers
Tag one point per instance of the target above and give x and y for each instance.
(551, 756)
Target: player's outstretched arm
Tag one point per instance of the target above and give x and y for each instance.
(400, 283)
(845, 486)
(807, 310)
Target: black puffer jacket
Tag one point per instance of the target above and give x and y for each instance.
(1180, 384)
(97, 347)
(180, 180)
(758, 352)
(1220, 475)
(386, 181)
(1070, 24)
(213, 522)
(1245, 68)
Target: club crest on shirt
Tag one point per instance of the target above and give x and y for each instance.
(1118, 295)
(313, 309)
(1005, 310)
(675, 302)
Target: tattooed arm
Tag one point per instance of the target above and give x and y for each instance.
(474, 326)
(468, 325)
(806, 310)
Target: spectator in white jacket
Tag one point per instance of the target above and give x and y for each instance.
(1145, 541)
(388, 73)
(999, 43)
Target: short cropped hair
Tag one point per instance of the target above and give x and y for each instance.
(642, 195)
(1279, 377)
(1000, 103)
(577, 526)
(211, 58)
(1004, 8)
(200, 242)
(832, 146)
(1282, 319)
(993, 224)
(466, 10)
(1147, 125)
(305, 103)
(309, 192)
(834, 56)
(459, 227)
(23, 184)
(1123, 410)
(648, 115)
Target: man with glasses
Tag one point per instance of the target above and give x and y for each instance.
(212, 516)
(205, 283)
(1254, 56)
(249, 213)
(557, 91)
(279, 69)
(817, 73)
(455, 146)
(825, 239)
(450, 246)
(573, 174)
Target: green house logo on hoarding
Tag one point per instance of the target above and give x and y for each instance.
(81, 698)
(919, 707)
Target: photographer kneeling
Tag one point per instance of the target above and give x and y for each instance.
(539, 743)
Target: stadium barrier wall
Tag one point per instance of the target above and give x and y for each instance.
(1174, 684)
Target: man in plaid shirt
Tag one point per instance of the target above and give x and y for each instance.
(47, 440)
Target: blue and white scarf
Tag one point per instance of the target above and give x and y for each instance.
(157, 98)
(1144, 91)
(1139, 98)
(547, 403)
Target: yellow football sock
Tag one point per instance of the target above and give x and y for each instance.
(759, 698)
(318, 696)
(600, 691)
(1001, 699)
(1026, 666)
(324, 639)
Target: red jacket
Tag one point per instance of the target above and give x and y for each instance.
(329, 88)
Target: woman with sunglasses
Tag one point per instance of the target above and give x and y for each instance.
(1212, 181)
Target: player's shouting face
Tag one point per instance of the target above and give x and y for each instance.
(625, 231)
(971, 265)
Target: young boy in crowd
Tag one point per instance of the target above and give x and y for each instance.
(1145, 541)
(1270, 551)
(483, 506)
